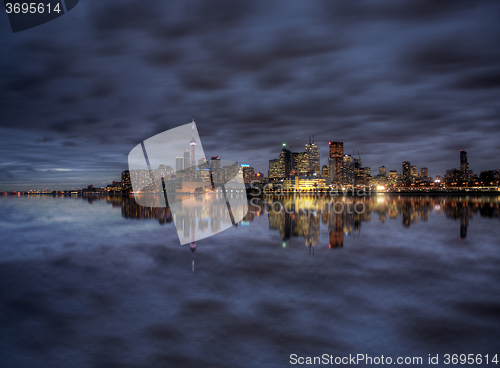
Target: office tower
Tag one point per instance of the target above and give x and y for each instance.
(259, 177)
(312, 151)
(324, 171)
(203, 171)
(300, 163)
(215, 168)
(164, 172)
(285, 162)
(332, 171)
(230, 171)
(274, 168)
(337, 154)
(248, 173)
(358, 172)
(203, 163)
(192, 143)
(464, 166)
(179, 164)
(393, 177)
(424, 173)
(187, 160)
(413, 172)
(347, 170)
(406, 177)
(382, 171)
(126, 183)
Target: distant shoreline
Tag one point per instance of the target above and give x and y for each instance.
(350, 193)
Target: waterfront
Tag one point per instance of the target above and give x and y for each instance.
(98, 281)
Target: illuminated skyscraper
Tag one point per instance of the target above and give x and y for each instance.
(324, 171)
(382, 171)
(424, 173)
(464, 166)
(248, 173)
(393, 177)
(347, 170)
(312, 151)
(406, 177)
(274, 168)
(300, 163)
(413, 172)
(336, 154)
(126, 184)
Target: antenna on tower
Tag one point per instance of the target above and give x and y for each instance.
(313, 138)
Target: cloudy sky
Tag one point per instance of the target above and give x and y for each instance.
(396, 80)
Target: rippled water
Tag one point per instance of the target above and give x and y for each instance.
(102, 282)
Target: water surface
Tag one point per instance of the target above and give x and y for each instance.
(102, 282)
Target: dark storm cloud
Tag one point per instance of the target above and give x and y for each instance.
(163, 58)
(393, 10)
(489, 79)
(395, 80)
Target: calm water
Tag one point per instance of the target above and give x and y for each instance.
(102, 282)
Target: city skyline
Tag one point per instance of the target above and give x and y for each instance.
(394, 81)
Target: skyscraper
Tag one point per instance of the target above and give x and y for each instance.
(216, 170)
(179, 164)
(413, 172)
(312, 151)
(285, 162)
(336, 154)
(382, 171)
(406, 177)
(324, 171)
(347, 170)
(274, 168)
(424, 173)
(126, 183)
(358, 171)
(248, 173)
(464, 166)
(203, 163)
(300, 163)
(332, 171)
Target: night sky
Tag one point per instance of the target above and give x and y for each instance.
(396, 80)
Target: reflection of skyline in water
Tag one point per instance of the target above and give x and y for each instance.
(302, 217)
